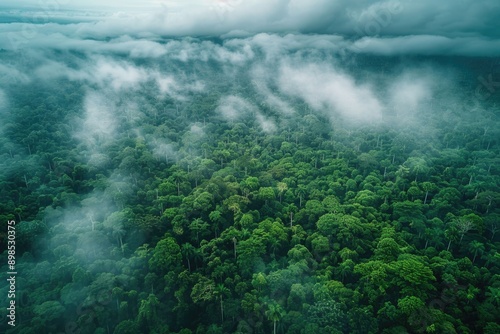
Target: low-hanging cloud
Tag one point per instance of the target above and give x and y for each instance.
(163, 150)
(332, 92)
(261, 79)
(119, 76)
(3, 101)
(99, 123)
(427, 45)
(3, 108)
(408, 92)
(266, 124)
(105, 73)
(233, 108)
(10, 75)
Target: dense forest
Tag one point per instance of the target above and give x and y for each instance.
(250, 186)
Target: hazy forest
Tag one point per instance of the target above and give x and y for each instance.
(256, 178)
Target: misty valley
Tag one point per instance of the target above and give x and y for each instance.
(272, 183)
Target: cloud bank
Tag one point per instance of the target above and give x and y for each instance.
(385, 27)
(258, 58)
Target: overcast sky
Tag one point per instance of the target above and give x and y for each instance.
(288, 49)
(449, 27)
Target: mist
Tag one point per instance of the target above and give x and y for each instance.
(132, 134)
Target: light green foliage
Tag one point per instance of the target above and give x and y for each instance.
(409, 305)
(387, 249)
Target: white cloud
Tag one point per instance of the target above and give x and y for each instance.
(163, 150)
(267, 125)
(103, 72)
(107, 73)
(168, 85)
(197, 130)
(10, 75)
(327, 90)
(408, 92)
(262, 77)
(119, 75)
(99, 121)
(232, 108)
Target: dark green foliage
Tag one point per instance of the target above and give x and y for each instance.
(181, 222)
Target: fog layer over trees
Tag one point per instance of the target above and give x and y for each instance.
(276, 180)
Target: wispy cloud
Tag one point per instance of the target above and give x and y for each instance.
(332, 92)
(233, 108)
(99, 123)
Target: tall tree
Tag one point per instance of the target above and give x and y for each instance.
(274, 313)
